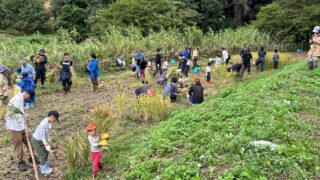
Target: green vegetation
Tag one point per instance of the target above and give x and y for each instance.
(213, 139)
(289, 20)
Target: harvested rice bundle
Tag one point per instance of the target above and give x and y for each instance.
(75, 79)
(53, 74)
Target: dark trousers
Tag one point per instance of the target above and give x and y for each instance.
(94, 80)
(244, 68)
(40, 74)
(195, 60)
(158, 69)
(66, 83)
(261, 64)
(40, 150)
(275, 64)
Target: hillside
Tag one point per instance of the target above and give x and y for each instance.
(213, 140)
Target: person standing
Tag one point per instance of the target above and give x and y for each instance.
(208, 73)
(225, 56)
(246, 62)
(186, 53)
(138, 57)
(40, 141)
(196, 91)
(314, 52)
(261, 59)
(65, 77)
(4, 85)
(15, 124)
(95, 151)
(195, 56)
(94, 72)
(27, 68)
(142, 71)
(40, 60)
(275, 59)
(158, 63)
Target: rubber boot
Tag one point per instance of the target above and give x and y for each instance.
(94, 88)
(22, 166)
(311, 65)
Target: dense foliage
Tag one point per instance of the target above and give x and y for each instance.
(289, 20)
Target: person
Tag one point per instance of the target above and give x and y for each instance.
(235, 68)
(142, 71)
(163, 78)
(195, 56)
(15, 124)
(158, 63)
(138, 57)
(196, 70)
(40, 141)
(40, 60)
(4, 85)
(94, 72)
(120, 62)
(225, 56)
(94, 140)
(165, 65)
(171, 89)
(65, 77)
(147, 90)
(26, 67)
(195, 94)
(261, 59)
(186, 71)
(183, 65)
(275, 59)
(314, 52)
(208, 73)
(27, 83)
(246, 62)
(185, 53)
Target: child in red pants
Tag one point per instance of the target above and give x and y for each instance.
(94, 140)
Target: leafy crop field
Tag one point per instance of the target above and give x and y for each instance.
(213, 140)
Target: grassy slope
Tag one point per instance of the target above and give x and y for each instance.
(212, 140)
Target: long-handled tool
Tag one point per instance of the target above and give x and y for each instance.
(31, 151)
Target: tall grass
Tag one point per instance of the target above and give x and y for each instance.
(124, 41)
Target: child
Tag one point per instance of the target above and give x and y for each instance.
(208, 74)
(94, 141)
(40, 141)
(196, 69)
(165, 65)
(275, 58)
(27, 83)
(142, 71)
(163, 78)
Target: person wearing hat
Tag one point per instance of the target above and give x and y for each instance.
(25, 84)
(65, 77)
(3, 85)
(195, 94)
(40, 140)
(15, 124)
(27, 68)
(40, 60)
(94, 140)
(314, 52)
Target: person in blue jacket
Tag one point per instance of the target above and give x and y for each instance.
(27, 83)
(94, 72)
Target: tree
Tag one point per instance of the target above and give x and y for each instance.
(211, 15)
(289, 20)
(145, 14)
(24, 16)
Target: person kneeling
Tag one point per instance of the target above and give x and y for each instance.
(171, 89)
(195, 94)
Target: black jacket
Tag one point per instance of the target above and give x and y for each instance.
(196, 91)
(143, 65)
(42, 64)
(236, 67)
(158, 59)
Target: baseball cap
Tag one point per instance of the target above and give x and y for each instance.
(55, 114)
(197, 80)
(91, 126)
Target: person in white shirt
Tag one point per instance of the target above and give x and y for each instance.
(40, 141)
(225, 56)
(165, 65)
(16, 126)
(208, 73)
